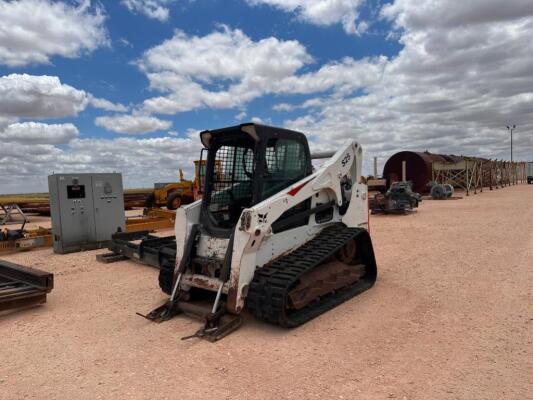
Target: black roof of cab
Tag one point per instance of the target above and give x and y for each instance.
(257, 131)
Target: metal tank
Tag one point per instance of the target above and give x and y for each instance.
(418, 168)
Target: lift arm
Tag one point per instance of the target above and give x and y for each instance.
(257, 221)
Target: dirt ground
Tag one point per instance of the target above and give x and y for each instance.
(451, 317)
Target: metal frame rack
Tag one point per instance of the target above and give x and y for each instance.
(473, 174)
(22, 286)
(466, 173)
(9, 211)
(140, 246)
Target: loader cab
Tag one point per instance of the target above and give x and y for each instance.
(247, 164)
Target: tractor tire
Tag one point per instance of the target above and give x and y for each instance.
(174, 201)
(150, 200)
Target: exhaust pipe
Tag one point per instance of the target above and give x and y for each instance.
(322, 154)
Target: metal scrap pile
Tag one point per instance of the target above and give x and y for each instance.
(440, 191)
(399, 199)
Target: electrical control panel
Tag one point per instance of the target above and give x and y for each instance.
(86, 210)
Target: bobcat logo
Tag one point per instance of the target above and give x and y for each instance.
(262, 218)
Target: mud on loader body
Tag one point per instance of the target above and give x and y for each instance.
(269, 233)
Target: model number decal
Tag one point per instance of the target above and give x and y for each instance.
(346, 159)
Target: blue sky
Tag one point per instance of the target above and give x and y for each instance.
(110, 72)
(126, 85)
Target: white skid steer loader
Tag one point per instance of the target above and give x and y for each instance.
(269, 233)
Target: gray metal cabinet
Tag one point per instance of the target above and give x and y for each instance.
(86, 210)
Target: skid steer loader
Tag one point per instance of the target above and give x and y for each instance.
(271, 234)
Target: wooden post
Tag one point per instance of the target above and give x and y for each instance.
(404, 171)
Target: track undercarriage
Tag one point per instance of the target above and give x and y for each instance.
(290, 291)
(333, 267)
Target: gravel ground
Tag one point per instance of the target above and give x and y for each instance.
(449, 318)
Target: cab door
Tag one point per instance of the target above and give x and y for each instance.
(108, 205)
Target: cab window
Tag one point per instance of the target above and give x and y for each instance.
(285, 163)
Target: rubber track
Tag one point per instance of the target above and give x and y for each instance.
(166, 276)
(268, 293)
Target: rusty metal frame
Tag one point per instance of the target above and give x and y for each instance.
(35, 238)
(147, 224)
(8, 211)
(473, 174)
(22, 286)
(142, 247)
(152, 220)
(466, 174)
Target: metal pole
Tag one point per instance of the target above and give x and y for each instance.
(175, 289)
(481, 175)
(467, 182)
(490, 173)
(511, 128)
(217, 298)
(375, 167)
(404, 171)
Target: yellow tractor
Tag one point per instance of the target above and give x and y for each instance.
(172, 195)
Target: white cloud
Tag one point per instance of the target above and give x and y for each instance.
(464, 72)
(193, 134)
(344, 77)
(26, 153)
(30, 96)
(38, 133)
(32, 31)
(155, 9)
(132, 124)
(125, 42)
(5, 121)
(141, 161)
(461, 76)
(421, 15)
(107, 105)
(240, 116)
(286, 107)
(322, 12)
(212, 56)
(195, 72)
(258, 120)
(187, 66)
